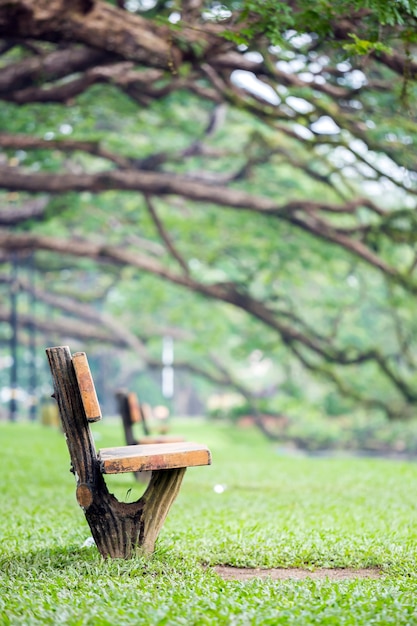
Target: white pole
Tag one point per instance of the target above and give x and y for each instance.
(167, 367)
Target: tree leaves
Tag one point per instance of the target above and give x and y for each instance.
(244, 198)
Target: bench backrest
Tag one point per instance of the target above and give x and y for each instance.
(77, 402)
(135, 410)
(131, 412)
(86, 387)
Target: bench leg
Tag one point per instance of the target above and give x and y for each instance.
(122, 529)
(162, 490)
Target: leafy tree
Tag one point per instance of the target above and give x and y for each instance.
(255, 154)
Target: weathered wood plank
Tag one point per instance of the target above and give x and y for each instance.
(86, 387)
(77, 432)
(158, 456)
(134, 408)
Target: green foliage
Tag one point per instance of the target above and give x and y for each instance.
(271, 20)
(312, 431)
(318, 290)
(393, 13)
(362, 46)
(336, 425)
(274, 20)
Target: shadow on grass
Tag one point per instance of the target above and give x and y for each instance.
(87, 562)
(71, 561)
(48, 559)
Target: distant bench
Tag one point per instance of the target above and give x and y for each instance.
(132, 413)
(118, 528)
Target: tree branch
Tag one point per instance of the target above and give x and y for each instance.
(164, 235)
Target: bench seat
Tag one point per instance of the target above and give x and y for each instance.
(152, 456)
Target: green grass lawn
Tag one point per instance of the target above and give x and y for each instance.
(275, 511)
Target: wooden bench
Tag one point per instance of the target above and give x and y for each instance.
(132, 414)
(118, 528)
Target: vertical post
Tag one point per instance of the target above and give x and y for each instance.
(167, 367)
(32, 341)
(14, 287)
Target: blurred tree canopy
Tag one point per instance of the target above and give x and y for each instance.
(238, 175)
